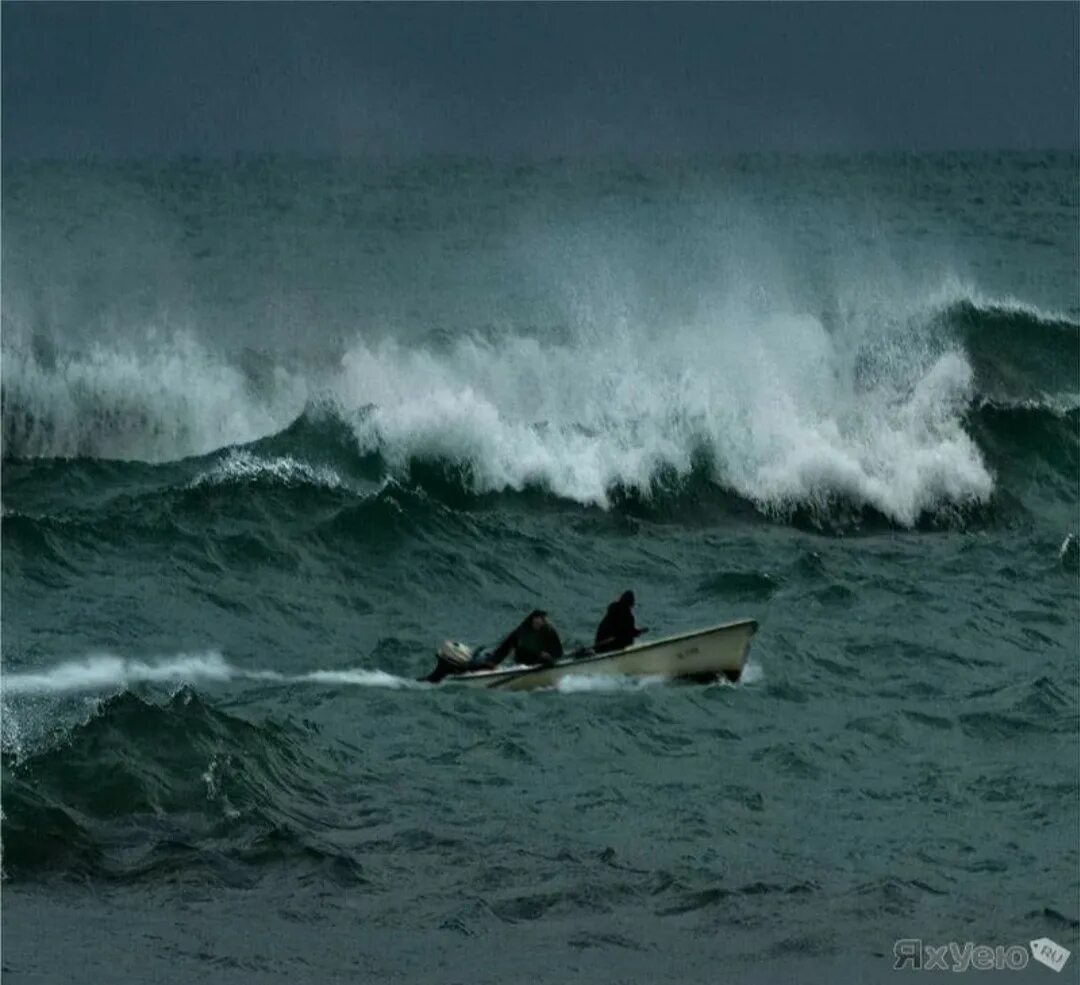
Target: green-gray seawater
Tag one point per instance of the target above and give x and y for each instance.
(274, 428)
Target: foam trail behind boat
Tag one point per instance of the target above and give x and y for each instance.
(104, 672)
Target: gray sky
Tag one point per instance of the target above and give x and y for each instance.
(127, 79)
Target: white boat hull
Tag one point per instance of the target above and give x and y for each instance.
(704, 654)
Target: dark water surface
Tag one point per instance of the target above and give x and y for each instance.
(273, 429)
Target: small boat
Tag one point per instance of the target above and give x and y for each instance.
(702, 656)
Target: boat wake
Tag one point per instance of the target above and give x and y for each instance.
(107, 672)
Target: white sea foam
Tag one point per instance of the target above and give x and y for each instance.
(362, 678)
(1069, 552)
(790, 411)
(753, 673)
(105, 672)
(101, 671)
(606, 683)
(241, 465)
(791, 407)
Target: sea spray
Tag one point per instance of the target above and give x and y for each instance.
(164, 397)
(785, 412)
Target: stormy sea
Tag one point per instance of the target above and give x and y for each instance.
(275, 427)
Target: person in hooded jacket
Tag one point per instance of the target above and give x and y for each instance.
(617, 630)
(534, 642)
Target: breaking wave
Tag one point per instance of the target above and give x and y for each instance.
(901, 413)
(166, 399)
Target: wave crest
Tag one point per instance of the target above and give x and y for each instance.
(199, 789)
(159, 400)
(785, 414)
(788, 411)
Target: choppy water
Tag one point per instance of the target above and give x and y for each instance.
(273, 428)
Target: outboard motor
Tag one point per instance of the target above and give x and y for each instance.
(450, 658)
(458, 654)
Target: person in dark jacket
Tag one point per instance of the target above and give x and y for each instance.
(534, 642)
(617, 630)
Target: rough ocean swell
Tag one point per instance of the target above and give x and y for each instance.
(272, 429)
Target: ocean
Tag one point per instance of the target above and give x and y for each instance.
(275, 427)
